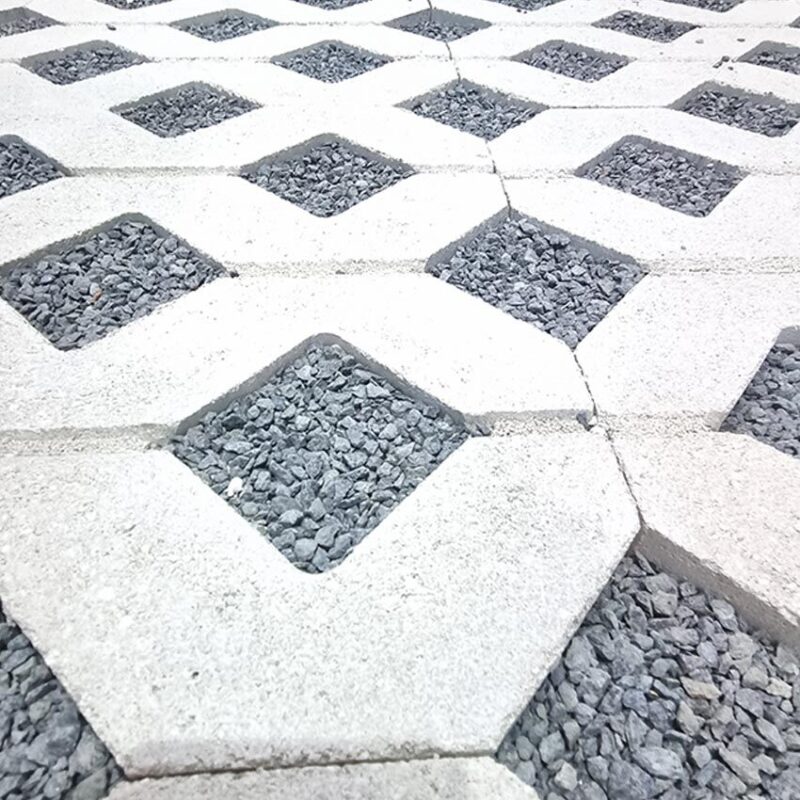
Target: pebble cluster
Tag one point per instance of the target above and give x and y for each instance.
(47, 749)
(573, 61)
(331, 5)
(327, 177)
(767, 116)
(21, 20)
(438, 24)
(131, 4)
(91, 288)
(776, 56)
(528, 5)
(331, 61)
(662, 693)
(709, 5)
(83, 62)
(645, 26)
(539, 276)
(769, 409)
(687, 183)
(224, 25)
(23, 168)
(473, 109)
(185, 109)
(320, 454)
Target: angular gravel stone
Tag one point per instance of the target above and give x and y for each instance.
(572, 60)
(538, 275)
(331, 62)
(321, 452)
(22, 20)
(326, 176)
(438, 24)
(645, 26)
(331, 5)
(185, 109)
(132, 4)
(709, 5)
(681, 181)
(223, 25)
(81, 62)
(775, 56)
(527, 5)
(769, 408)
(474, 109)
(87, 290)
(22, 167)
(646, 750)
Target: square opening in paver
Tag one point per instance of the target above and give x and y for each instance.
(77, 293)
(527, 5)
(709, 5)
(320, 453)
(184, 109)
(764, 114)
(331, 62)
(769, 408)
(331, 5)
(775, 55)
(220, 26)
(443, 26)
(79, 63)
(326, 175)
(572, 60)
(538, 275)
(474, 109)
(645, 26)
(673, 178)
(133, 4)
(663, 692)
(22, 167)
(22, 20)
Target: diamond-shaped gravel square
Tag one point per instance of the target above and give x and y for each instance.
(22, 167)
(83, 291)
(527, 5)
(22, 20)
(320, 454)
(223, 25)
(645, 26)
(572, 60)
(783, 57)
(331, 5)
(709, 5)
(440, 25)
(82, 62)
(331, 61)
(133, 4)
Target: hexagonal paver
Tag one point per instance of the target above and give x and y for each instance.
(22, 167)
(81, 62)
(709, 5)
(81, 292)
(320, 453)
(645, 26)
(22, 20)
(775, 55)
(326, 175)
(572, 60)
(672, 178)
(440, 25)
(220, 26)
(538, 275)
(331, 62)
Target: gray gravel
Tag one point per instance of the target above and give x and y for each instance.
(47, 749)
(709, 5)
(663, 692)
(776, 56)
(185, 109)
(573, 61)
(539, 276)
(527, 5)
(327, 177)
(21, 20)
(473, 109)
(680, 181)
(331, 61)
(23, 168)
(769, 408)
(82, 62)
(766, 115)
(438, 24)
(224, 25)
(319, 454)
(89, 289)
(131, 4)
(332, 4)
(645, 26)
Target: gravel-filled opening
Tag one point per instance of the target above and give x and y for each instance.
(79, 292)
(673, 178)
(769, 408)
(22, 20)
(320, 453)
(775, 55)
(22, 167)
(133, 4)
(435, 23)
(645, 26)
(331, 5)
(48, 751)
(81, 62)
(709, 5)
(184, 109)
(220, 26)
(663, 692)
(326, 175)
(331, 62)
(538, 274)
(473, 109)
(527, 5)
(572, 60)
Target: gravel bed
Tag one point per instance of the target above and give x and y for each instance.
(527, 5)
(645, 26)
(438, 24)
(21, 20)
(539, 276)
(23, 168)
(331, 61)
(319, 454)
(764, 115)
(775, 56)
(663, 692)
(132, 4)
(47, 749)
(185, 109)
(769, 408)
(709, 5)
(326, 177)
(573, 61)
(331, 5)
(89, 289)
(224, 25)
(83, 62)
(681, 181)
(473, 109)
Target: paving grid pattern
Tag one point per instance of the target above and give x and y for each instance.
(593, 262)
